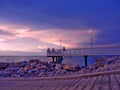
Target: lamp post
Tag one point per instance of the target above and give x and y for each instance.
(60, 44)
(91, 38)
(91, 41)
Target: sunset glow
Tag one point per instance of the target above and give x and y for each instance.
(36, 27)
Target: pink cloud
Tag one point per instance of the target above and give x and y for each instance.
(46, 37)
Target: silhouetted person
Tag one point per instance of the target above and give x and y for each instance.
(53, 50)
(48, 50)
(63, 48)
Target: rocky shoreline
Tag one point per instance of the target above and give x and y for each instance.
(37, 68)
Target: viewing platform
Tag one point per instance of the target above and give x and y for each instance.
(102, 50)
(106, 50)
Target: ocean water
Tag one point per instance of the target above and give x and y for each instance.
(79, 60)
(22, 58)
(66, 60)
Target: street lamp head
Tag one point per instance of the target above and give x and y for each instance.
(90, 31)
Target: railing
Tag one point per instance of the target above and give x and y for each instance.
(106, 50)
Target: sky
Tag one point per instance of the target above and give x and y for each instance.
(29, 27)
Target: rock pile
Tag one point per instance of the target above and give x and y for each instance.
(35, 68)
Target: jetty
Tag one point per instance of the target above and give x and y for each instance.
(56, 54)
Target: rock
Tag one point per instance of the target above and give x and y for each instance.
(37, 72)
(58, 66)
(1, 73)
(67, 67)
(7, 73)
(3, 65)
(30, 71)
(75, 67)
(20, 72)
(41, 74)
(23, 63)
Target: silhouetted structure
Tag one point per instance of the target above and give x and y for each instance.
(106, 50)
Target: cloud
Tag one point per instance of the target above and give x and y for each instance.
(28, 39)
(6, 33)
(10, 32)
(62, 15)
(68, 38)
(37, 25)
(67, 15)
(2, 40)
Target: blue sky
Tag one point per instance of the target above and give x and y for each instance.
(31, 26)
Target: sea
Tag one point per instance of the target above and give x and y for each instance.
(66, 60)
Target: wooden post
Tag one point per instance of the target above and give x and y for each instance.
(85, 57)
(53, 58)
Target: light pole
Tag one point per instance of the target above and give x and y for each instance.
(91, 38)
(60, 44)
(91, 41)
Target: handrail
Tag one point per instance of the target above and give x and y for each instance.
(108, 50)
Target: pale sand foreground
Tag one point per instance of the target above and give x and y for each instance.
(109, 80)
